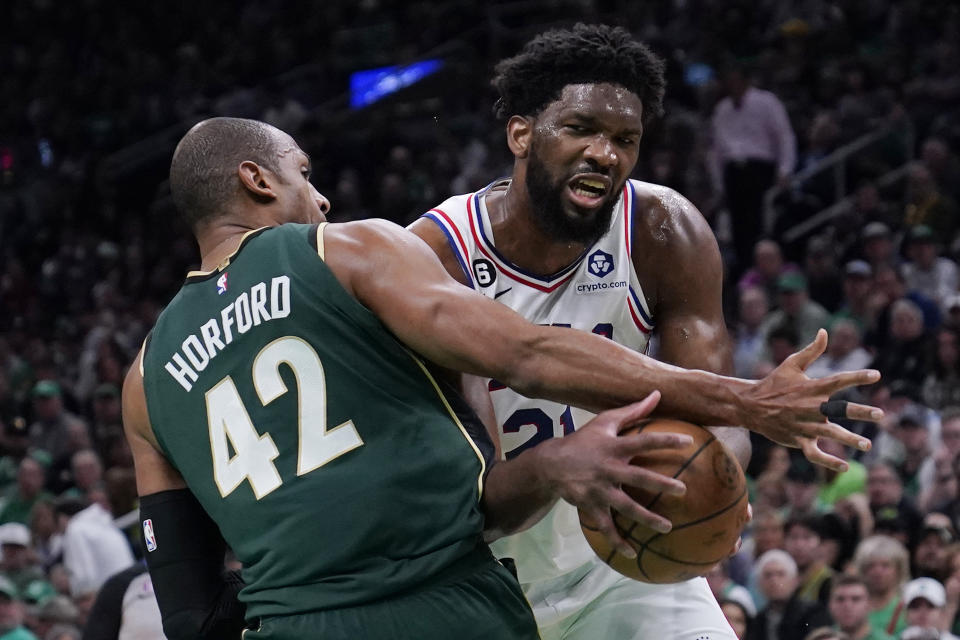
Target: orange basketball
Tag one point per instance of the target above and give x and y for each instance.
(707, 520)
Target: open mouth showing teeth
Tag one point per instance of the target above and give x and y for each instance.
(589, 188)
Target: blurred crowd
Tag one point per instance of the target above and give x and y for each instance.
(91, 250)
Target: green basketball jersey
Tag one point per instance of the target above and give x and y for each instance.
(333, 464)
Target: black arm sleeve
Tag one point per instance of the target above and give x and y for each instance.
(196, 598)
(103, 623)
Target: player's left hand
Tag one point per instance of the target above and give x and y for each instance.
(794, 410)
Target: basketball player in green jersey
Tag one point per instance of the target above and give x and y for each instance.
(281, 406)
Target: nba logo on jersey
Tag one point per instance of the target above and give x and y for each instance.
(148, 536)
(600, 263)
(222, 284)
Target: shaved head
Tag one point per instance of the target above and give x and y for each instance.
(203, 173)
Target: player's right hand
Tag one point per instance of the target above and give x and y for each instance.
(588, 469)
(786, 406)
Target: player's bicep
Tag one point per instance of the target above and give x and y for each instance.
(397, 276)
(154, 473)
(690, 324)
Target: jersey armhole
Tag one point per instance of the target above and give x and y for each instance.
(315, 237)
(143, 352)
(461, 259)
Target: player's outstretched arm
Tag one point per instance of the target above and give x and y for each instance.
(397, 276)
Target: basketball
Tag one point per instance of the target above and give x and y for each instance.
(707, 520)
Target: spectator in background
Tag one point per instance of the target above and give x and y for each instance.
(55, 430)
(93, 549)
(737, 615)
(63, 632)
(18, 563)
(878, 248)
(856, 306)
(844, 351)
(106, 427)
(55, 613)
(943, 166)
(849, 607)
(47, 543)
(724, 588)
(913, 434)
(782, 340)
(802, 542)
(927, 271)
(884, 565)
(802, 485)
(838, 539)
(929, 558)
(754, 148)
(750, 338)
(939, 488)
(786, 616)
(905, 354)
(887, 500)
(925, 600)
(941, 387)
(889, 287)
(796, 309)
(867, 207)
(27, 492)
(823, 276)
(951, 508)
(11, 613)
(838, 486)
(951, 310)
(927, 205)
(87, 472)
(768, 266)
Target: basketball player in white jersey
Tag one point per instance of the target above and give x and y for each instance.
(568, 240)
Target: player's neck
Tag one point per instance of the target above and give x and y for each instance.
(220, 241)
(518, 237)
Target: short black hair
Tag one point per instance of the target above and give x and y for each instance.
(585, 54)
(203, 172)
(809, 521)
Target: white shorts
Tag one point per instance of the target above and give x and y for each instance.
(597, 603)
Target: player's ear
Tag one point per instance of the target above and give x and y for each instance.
(256, 180)
(519, 132)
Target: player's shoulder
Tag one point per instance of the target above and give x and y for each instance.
(666, 217)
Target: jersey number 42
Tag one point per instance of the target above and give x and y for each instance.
(254, 453)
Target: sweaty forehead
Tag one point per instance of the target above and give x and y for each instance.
(598, 100)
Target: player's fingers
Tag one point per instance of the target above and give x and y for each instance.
(817, 456)
(846, 379)
(627, 416)
(629, 508)
(601, 521)
(840, 409)
(647, 480)
(638, 442)
(843, 436)
(805, 357)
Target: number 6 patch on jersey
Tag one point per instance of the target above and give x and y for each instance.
(484, 272)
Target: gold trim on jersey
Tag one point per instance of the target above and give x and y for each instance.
(226, 261)
(142, 355)
(456, 420)
(320, 249)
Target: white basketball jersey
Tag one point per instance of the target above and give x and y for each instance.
(598, 292)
